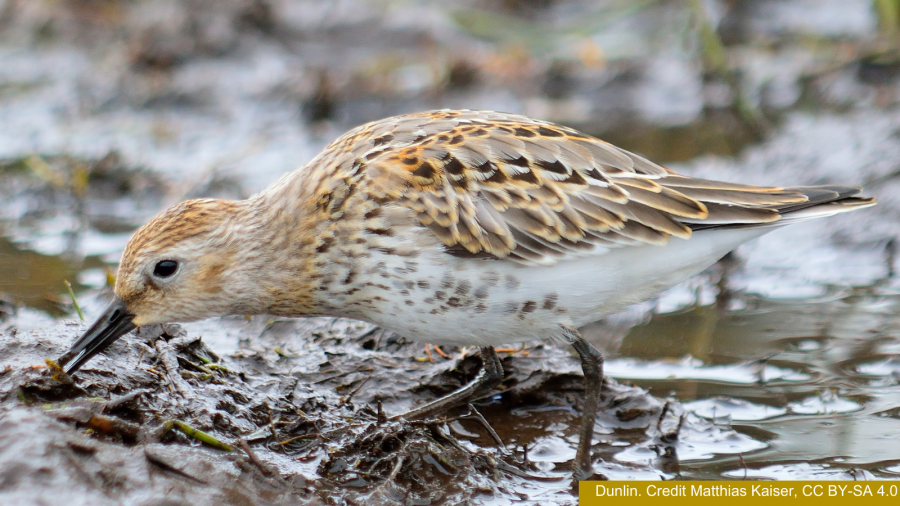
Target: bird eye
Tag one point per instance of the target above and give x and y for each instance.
(165, 268)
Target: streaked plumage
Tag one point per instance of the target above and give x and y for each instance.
(456, 227)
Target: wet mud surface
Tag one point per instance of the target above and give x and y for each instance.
(313, 406)
(780, 362)
(776, 390)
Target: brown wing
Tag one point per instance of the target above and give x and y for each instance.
(508, 186)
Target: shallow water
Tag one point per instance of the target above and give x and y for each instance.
(815, 380)
(110, 114)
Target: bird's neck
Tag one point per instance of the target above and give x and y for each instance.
(277, 253)
(317, 238)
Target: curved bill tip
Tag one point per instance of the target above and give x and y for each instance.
(114, 323)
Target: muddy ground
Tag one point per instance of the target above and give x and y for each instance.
(312, 401)
(781, 362)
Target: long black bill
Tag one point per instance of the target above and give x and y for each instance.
(114, 323)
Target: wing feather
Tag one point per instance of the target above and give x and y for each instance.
(509, 187)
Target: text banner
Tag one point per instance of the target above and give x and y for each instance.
(698, 493)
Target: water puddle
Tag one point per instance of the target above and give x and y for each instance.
(803, 471)
(826, 403)
(730, 409)
(690, 368)
(833, 377)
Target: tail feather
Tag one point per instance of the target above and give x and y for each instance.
(819, 202)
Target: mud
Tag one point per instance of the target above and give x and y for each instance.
(312, 401)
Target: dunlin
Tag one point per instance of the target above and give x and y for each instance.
(452, 227)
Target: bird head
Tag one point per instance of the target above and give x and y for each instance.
(184, 265)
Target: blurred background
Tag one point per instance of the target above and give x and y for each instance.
(112, 110)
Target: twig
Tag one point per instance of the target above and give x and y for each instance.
(97, 422)
(301, 436)
(474, 414)
(441, 352)
(503, 466)
(122, 400)
(254, 458)
(355, 390)
(396, 469)
(199, 435)
(74, 300)
(170, 361)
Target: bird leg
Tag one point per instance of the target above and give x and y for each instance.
(492, 373)
(488, 377)
(592, 365)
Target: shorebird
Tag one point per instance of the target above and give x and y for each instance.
(452, 227)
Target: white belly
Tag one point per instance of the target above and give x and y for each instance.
(442, 299)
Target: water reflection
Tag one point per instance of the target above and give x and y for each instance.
(815, 379)
(32, 279)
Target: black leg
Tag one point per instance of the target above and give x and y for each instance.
(490, 375)
(592, 365)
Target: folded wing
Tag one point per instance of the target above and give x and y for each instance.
(509, 187)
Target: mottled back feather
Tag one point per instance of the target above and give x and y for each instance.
(500, 186)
